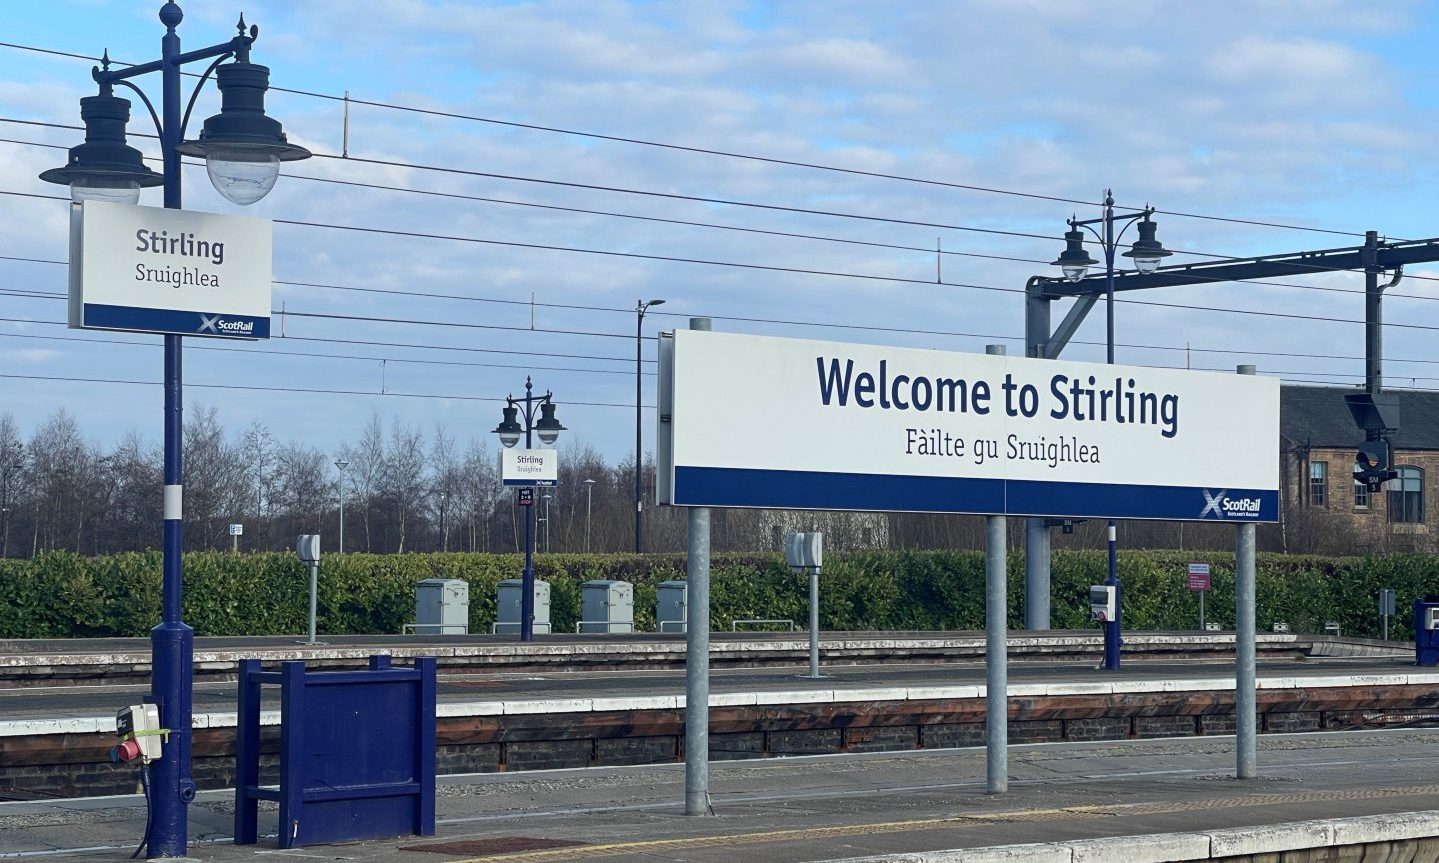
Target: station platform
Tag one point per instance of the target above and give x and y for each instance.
(885, 692)
(1132, 800)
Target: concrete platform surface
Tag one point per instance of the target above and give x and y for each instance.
(824, 808)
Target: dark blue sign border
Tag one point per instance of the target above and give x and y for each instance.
(172, 322)
(786, 489)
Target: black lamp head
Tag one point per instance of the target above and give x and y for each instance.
(242, 147)
(1146, 250)
(548, 428)
(242, 123)
(509, 429)
(1074, 260)
(104, 161)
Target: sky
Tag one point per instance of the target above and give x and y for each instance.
(504, 203)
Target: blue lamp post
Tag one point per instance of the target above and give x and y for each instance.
(242, 149)
(1075, 262)
(509, 430)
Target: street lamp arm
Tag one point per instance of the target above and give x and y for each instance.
(154, 115)
(195, 94)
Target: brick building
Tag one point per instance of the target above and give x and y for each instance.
(1318, 440)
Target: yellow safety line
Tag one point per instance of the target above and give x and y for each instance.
(1055, 813)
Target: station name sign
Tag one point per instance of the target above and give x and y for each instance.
(752, 421)
(529, 466)
(179, 272)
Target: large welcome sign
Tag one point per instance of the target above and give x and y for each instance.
(754, 421)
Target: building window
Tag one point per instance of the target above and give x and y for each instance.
(1361, 495)
(1318, 483)
(1406, 496)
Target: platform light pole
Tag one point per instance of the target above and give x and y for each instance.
(242, 148)
(641, 306)
(1147, 252)
(589, 502)
(341, 465)
(548, 428)
(9, 463)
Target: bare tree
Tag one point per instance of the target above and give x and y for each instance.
(216, 481)
(367, 463)
(302, 488)
(403, 478)
(257, 448)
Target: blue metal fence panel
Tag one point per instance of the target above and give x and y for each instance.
(357, 753)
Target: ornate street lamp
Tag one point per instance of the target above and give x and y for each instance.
(242, 149)
(1074, 261)
(510, 430)
(641, 307)
(340, 465)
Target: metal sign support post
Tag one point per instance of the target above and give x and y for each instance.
(804, 552)
(1245, 696)
(996, 657)
(814, 623)
(697, 655)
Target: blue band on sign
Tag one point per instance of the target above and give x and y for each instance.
(784, 489)
(176, 322)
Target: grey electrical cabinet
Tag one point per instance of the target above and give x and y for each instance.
(607, 606)
(671, 606)
(442, 607)
(507, 617)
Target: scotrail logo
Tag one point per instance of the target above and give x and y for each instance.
(1224, 506)
(220, 327)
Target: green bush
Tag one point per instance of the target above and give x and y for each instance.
(62, 595)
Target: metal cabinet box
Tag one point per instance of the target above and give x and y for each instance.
(442, 607)
(671, 606)
(607, 606)
(507, 617)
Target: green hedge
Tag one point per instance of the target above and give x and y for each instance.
(62, 595)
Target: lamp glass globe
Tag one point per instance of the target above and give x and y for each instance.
(109, 190)
(243, 176)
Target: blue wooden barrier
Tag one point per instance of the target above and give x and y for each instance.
(357, 753)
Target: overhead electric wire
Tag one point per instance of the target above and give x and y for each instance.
(708, 151)
(306, 390)
(270, 350)
(1198, 279)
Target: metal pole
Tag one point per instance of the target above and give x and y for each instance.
(996, 657)
(527, 576)
(814, 623)
(589, 505)
(1036, 532)
(342, 512)
(172, 643)
(697, 651)
(314, 592)
(1245, 695)
(1202, 627)
(1036, 573)
(639, 451)
(1112, 639)
(1373, 318)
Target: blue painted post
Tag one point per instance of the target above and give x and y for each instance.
(172, 643)
(425, 747)
(292, 751)
(1112, 638)
(247, 754)
(527, 576)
